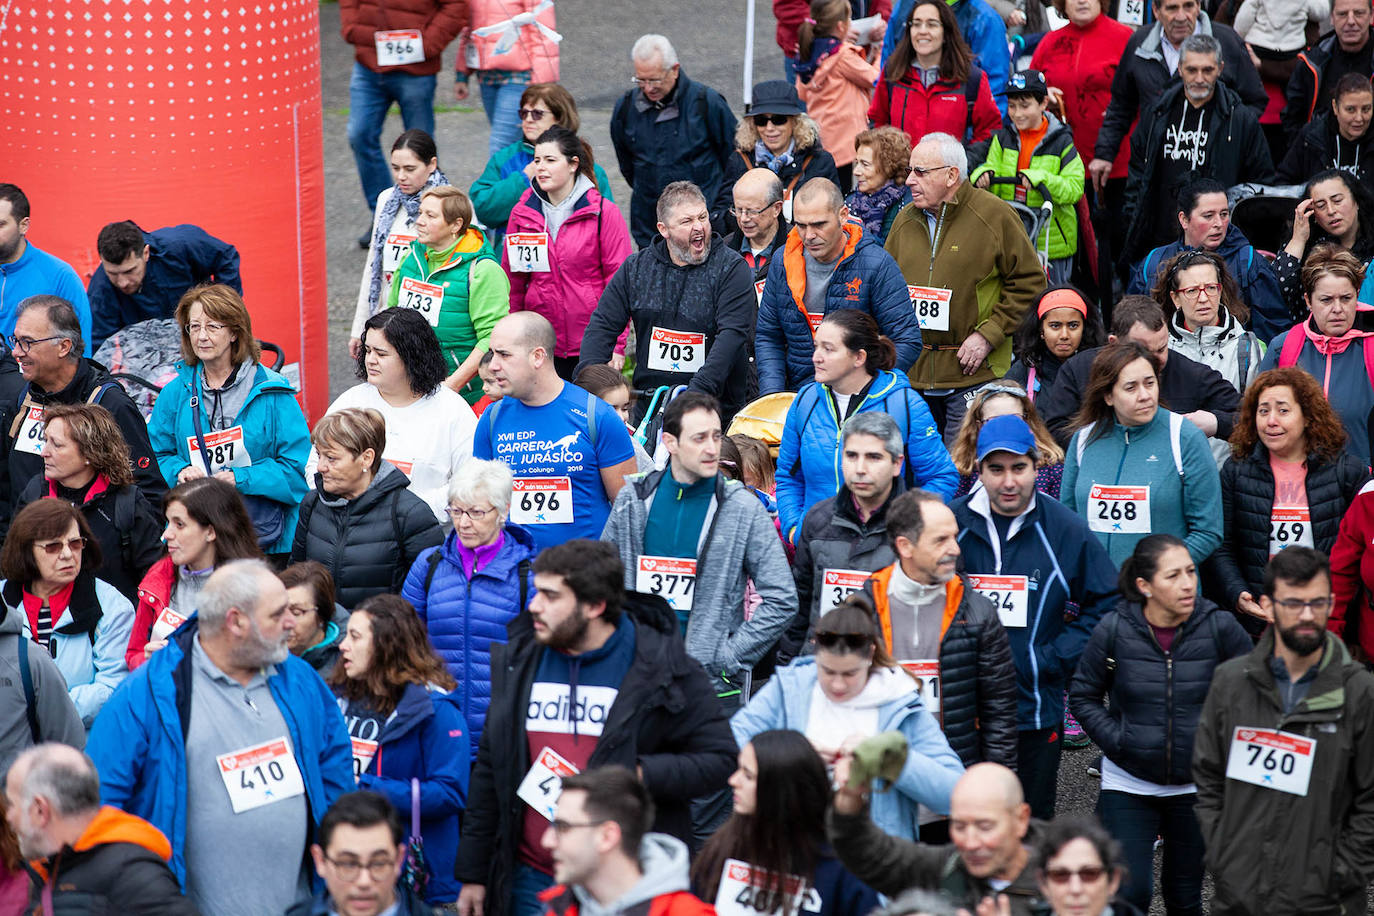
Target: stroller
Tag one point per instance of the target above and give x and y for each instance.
(1033, 220)
(1264, 213)
(143, 356)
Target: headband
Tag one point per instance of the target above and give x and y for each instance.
(1062, 298)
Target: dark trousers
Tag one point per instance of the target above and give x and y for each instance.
(565, 365)
(948, 410)
(1037, 766)
(1135, 821)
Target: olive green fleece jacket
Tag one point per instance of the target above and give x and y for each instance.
(984, 257)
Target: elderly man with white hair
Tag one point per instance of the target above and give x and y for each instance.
(224, 740)
(81, 852)
(972, 271)
(668, 128)
(470, 587)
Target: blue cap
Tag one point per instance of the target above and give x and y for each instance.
(1007, 433)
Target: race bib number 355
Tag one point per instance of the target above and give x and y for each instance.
(839, 584)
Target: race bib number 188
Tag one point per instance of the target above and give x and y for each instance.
(931, 305)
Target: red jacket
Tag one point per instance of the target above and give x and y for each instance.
(789, 15)
(1081, 63)
(942, 108)
(1352, 571)
(592, 244)
(439, 22)
(153, 594)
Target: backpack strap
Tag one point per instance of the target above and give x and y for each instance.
(1292, 346)
(591, 418)
(1083, 435)
(970, 97)
(1247, 340)
(1111, 651)
(815, 401)
(492, 410)
(20, 412)
(433, 561)
(523, 571)
(124, 521)
(99, 392)
(1030, 384)
(26, 679)
(1176, 442)
(1369, 358)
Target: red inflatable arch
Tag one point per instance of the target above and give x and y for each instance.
(178, 111)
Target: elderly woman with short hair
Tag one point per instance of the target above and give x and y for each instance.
(361, 522)
(469, 588)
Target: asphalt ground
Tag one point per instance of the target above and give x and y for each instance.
(595, 68)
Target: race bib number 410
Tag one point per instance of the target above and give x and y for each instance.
(260, 775)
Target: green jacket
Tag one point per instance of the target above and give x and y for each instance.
(476, 295)
(985, 259)
(1055, 164)
(890, 865)
(1271, 851)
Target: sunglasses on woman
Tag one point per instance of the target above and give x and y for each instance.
(53, 548)
(854, 642)
(1088, 874)
(777, 120)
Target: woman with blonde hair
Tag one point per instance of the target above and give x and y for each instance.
(361, 522)
(996, 400)
(228, 416)
(453, 278)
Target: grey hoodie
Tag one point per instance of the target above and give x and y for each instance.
(58, 719)
(663, 860)
(556, 214)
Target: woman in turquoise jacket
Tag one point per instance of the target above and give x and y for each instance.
(853, 365)
(1134, 468)
(850, 709)
(253, 429)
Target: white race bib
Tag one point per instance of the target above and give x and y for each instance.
(166, 623)
(1010, 594)
(672, 578)
(927, 673)
(1290, 527)
(931, 304)
(743, 892)
(260, 775)
(1272, 759)
(1119, 510)
(544, 782)
(225, 448)
(839, 584)
(758, 290)
(425, 298)
(528, 252)
(813, 321)
(31, 435)
(363, 752)
(676, 351)
(394, 250)
(1131, 12)
(399, 47)
(542, 501)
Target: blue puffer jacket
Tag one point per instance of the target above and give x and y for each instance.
(1258, 286)
(865, 278)
(274, 433)
(138, 742)
(809, 455)
(425, 739)
(931, 770)
(983, 31)
(465, 618)
(1064, 562)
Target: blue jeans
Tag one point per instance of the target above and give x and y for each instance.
(1135, 821)
(524, 899)
(370, 95)
(502, 105)
(789, 70)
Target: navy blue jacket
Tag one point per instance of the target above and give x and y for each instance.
(423, 739)
(179, 257)
(1155, 698)
(1064, 563)
(1258, 286)
(466, 617)
(689, 139)
(865, 278)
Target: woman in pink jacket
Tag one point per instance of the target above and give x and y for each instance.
(563, 244)
(835, 80)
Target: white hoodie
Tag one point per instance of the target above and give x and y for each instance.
(1220, 347)
(828, 723)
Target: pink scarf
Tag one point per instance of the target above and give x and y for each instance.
(1330, 346)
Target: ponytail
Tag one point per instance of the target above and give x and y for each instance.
(860, 332)
(819, 23)
(1143, 563)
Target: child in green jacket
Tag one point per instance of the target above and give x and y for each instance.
(1036, 149)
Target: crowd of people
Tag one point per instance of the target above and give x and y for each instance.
(762, 552)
